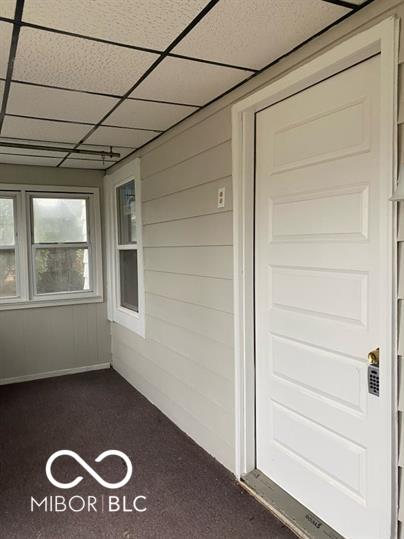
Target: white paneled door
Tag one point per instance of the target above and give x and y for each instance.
(321, 435)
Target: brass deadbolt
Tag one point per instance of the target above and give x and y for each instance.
(373, 357)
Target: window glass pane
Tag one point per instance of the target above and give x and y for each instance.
(61, 269)
(126, 213)
(8, 286)
(128, 274)
(7, 236)
(59, 220)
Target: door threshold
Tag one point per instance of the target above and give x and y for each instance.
(289, 511)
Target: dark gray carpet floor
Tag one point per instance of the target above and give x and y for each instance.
(189, 495)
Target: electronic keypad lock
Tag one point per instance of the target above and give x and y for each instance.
(373, 372)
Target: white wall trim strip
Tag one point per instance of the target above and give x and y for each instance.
(51, 374)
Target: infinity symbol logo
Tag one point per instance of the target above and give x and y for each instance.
(83, 464)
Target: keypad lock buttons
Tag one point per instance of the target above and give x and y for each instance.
(373, 372)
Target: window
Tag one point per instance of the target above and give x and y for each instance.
(127, 246)
(50, 246)
(126, 290)
(8, 276)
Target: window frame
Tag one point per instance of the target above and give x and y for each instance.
(131, 246)
(18, 210)
(26, 294)
(132, 320)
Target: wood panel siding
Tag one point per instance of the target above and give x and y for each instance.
(50, 339)
(185, 364)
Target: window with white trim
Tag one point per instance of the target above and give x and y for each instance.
(50, 246)
(8, 252)
(126, 246)
(126, 285)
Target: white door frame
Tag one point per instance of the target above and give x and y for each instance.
(381, 38)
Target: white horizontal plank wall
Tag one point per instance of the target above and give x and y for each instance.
(41, 341)
(186, 365)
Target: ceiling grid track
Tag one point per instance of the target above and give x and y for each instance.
(103, 94)
(62, 121)
(347, 4)
(19, 7)
(123, 45)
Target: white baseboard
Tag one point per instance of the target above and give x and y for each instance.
(50, 374)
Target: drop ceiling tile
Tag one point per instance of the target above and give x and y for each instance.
(118, 136)
(43, 130)
(148, 115)
(57, 104)
(185, 81)
(86, 163)
(26, 160)
(147, 23)
(6, 30)
(7, 8)
(119, 149)
(80, 64)
(254, 33)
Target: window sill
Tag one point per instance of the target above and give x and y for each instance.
(34, 304)
(133, 323)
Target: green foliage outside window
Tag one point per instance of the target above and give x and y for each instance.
(59, 268)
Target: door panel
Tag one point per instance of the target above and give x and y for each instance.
(318, 288)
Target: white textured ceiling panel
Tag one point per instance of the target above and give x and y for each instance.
(146, 23)
(185, 81)
(26, 160)
(29, 152)
(116, 136)
(70, 62)
(254, 33)
(43, 130)
(148, 115)
(86, 163)
(6, 30)
(119, 149)
(57, 104)
(7, 8)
